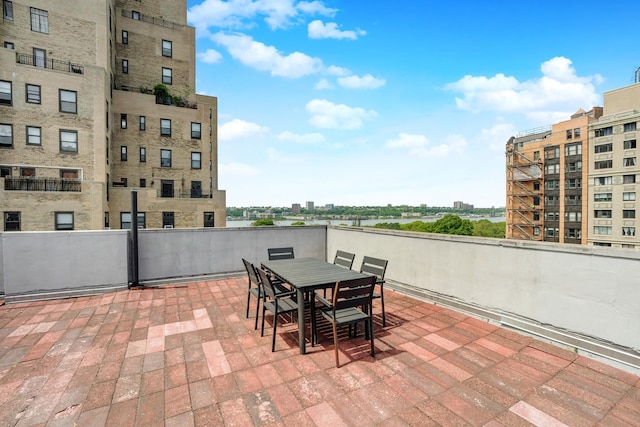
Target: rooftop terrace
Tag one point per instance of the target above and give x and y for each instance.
(184, 354)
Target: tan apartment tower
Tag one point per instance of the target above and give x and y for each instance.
(96, 99)
(546, 170)
(614, 170)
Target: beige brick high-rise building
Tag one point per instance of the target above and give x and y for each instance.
(546, 181)
(96, 99)
(614, 171)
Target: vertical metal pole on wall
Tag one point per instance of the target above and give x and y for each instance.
(135, 280)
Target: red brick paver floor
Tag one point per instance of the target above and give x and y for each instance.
(185, 355)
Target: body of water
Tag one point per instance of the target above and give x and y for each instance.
(363, 222)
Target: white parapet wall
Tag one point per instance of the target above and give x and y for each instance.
(542, 288)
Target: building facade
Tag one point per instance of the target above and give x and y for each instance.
(96, 100)
(546, 176)
(614, 170)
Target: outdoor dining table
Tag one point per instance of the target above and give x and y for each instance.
(306, 275)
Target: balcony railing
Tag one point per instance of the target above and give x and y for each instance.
(52, 64)
(178, 102)
(151, 19)
(42, 184)
(183, 194)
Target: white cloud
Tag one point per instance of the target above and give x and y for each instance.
(323, 84)
(237, 169)
(419, 145)
(365, 82)
(337, 71)
(327, 115)
(497, 136)
(210, 56)
(267, 58)
(307, 138)
(236, 129)
(235, 14)
(559, 92)
(319, 30)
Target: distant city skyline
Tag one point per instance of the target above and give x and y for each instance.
(369, 103)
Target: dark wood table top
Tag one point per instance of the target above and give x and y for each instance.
(309, 273)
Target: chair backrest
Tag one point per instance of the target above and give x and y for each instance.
(251, 272)
(344, 259)
(375, 266)
(353, 293)
(267, 285)
(280, 253)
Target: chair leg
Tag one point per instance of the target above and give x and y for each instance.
(248, 302)
(384, 315)
(262, 329)
(255, 327)
(335, 343)
(370, 322)
(275, 326)
(314, 338)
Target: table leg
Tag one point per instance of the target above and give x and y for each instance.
(301, 326)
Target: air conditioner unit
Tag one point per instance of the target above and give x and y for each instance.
(168, 226)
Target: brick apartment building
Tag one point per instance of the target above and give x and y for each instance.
(81, 124)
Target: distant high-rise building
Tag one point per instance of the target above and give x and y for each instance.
(295, 208)
(96, 99)
(614, 172)
(546, 181)
(462, 206)
(329, 206)
(310, 206)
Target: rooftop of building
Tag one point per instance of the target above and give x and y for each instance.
(184, 354)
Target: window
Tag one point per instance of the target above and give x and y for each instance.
(39, 20)
(167, 76)
(143, 123)
(125, 66)
(142, 220)
(572, 233)
(573, 183)
(629, 196)
(602, 213)
(569, 134)
(165, 127)
(603, 164)
(69, 141)
(143, 154)
(552, 216)
(33, 94)
(195, 130)
(602, 180)
(629, 161)
(125, 220)
(165, 158)
(602, 244)
(629, 144)
(627, 246)
(551, 232)
(135, 15)
(6, 135)
(166, 188)
(573, 167)
(552, 153)
(552, 169)
(5, 93)
(195, 160)
(576, 132)
(68, 101)
(536, 216)
(599, 229)
(9, 45)
(573, 199)
(167, 48)
(536, 231)
(604, 131)
(628, 231)
(5, 171)
(167, 220)
(603, 148)
(536, 186)
(208, 219)
(123, 153)
(12, 221)
(125, 37)
(143, 182)
(123, 121)
(39, 57)
(573, 216)
(628, 179)
(69, 174)
(550, 200)
(34, 135)
(64, 220)
(552, 185)
(536, 201)
(28, 172)
(628, 214)
(630, 127)
(602, 197)
(7, 10)
(196, 189)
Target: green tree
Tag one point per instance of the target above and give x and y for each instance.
(262, 222)
(486, 228)
(297, 223)
(453, 224)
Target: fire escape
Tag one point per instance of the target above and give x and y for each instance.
(524, 192)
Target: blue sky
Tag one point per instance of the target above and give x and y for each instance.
(378, 102)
